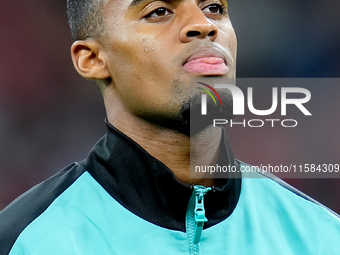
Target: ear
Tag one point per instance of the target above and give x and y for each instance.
(89, 59)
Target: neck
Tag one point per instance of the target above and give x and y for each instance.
(174, 149)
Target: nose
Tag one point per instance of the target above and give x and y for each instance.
(197, 26)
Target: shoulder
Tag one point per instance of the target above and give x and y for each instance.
(33, 203)
(278, 192)
(283, 210)
(271, 184)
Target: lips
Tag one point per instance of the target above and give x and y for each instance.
(206, 62)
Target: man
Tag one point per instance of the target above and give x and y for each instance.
(133, 194)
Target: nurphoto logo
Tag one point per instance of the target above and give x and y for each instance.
(300, 97)
(204, 97)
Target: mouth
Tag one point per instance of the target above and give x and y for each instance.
(207, 61)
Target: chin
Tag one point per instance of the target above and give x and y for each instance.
(191, 120)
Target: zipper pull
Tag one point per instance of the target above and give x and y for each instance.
(199, 211)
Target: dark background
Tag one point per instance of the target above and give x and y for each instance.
(50, 116)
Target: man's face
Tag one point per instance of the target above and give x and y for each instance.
(154, 48)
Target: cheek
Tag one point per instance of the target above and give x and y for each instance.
(135, 55)
(142, 72)
(228, 36)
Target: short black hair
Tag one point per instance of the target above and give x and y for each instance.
(85, 18)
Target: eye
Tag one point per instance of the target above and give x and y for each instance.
(215, 9)
(158, 13)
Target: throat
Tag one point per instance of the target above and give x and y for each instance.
(181, 153)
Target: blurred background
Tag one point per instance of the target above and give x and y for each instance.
(50, 116)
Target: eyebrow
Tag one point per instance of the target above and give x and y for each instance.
(135, 2)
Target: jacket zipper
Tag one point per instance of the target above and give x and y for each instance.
(195, 218)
